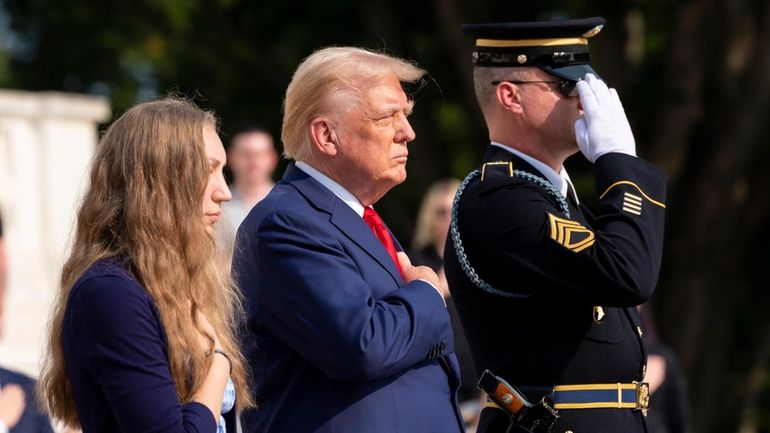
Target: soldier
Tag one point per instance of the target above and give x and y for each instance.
(544, 287)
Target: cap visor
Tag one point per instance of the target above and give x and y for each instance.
(571, 72)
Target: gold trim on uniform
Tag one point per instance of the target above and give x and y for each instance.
(642, 396)
(564, 232)
(599, 314)
(628, 182)
(632, 203)
(498, 43)
(593, 32)
(508, 163)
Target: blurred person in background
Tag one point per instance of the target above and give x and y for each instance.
(142, 331)
(19, 412)
(668, 402)
(428, 249)
(252, 158)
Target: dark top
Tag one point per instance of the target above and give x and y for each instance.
(520, 242)
(33, 420)
(117, 358)
(468, 391)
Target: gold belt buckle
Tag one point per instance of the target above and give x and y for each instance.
(642, 397)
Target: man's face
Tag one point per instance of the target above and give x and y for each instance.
(548, 111)
(252, 158)
(372, 137)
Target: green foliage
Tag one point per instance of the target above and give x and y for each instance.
(237, 56)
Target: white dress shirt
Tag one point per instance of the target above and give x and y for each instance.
(334, 187)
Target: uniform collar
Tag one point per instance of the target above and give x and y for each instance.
(560, 181)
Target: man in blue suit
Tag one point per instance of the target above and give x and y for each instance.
(344, 334)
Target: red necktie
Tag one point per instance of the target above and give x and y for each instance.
(373, 220)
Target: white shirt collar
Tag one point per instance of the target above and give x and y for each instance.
(559, 180)
(333, 186)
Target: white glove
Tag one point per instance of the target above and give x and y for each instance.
(604, 127)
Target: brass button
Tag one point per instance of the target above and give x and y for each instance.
(507, 398)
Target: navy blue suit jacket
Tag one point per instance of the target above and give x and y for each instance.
(116, 355)
(337, 342)
(33, 420)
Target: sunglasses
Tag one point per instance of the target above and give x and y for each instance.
(568, 88)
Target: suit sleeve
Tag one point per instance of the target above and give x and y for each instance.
(113, 331)
(313, 298)
(612, 259)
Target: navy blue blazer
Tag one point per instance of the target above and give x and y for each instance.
(33, 420)
(116, 356)
(336, 341)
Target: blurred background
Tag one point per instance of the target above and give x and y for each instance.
(694, 76)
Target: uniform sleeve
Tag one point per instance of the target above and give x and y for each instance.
(313, 298)
(528, 246)
(113, 331)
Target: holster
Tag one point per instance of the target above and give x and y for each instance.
(525, 417)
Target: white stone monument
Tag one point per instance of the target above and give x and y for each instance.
(46, 143)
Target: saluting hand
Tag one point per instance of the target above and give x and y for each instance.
(604, 127)
(424, 273)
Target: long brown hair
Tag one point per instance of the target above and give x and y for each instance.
(144, 206)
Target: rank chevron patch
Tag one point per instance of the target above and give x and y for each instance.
(570, 234)
(632, 203)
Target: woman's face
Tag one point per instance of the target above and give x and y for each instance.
(216, 187)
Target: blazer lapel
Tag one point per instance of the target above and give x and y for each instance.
(343, 217)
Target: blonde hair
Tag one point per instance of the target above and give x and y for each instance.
(143, 206)
(330, 80)
(426, 217)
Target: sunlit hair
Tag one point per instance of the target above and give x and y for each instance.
(330, 81)
(424, 232)
(144, 207)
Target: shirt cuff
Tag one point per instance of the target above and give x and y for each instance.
(3, 427)
(430, 284)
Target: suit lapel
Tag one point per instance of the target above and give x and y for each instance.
(354, 227)
(345, 219)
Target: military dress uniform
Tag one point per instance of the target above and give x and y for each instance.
(546, 289)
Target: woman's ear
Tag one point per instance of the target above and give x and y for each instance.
(324, 136)
(509, 97)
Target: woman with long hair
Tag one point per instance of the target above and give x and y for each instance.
(142, 335)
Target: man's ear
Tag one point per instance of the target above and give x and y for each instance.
(509, 97)
(323, 135)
